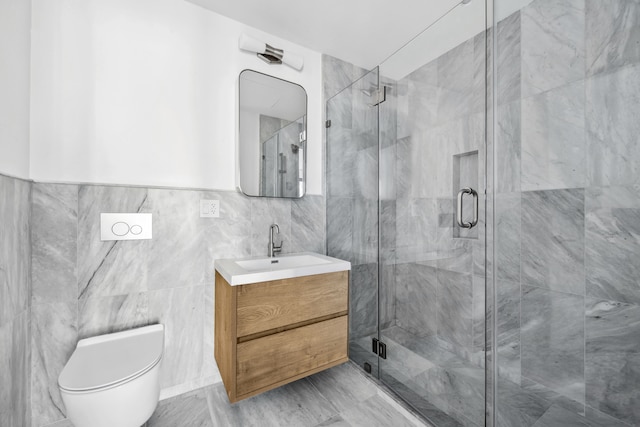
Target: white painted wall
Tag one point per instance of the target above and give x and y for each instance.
(15, 41)
(145, 92)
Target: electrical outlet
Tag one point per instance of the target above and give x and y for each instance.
(209, 208)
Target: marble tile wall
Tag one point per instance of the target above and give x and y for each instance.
(352, 189)
(567, 239)
(440, 116)
(15, 302)
(84, 287)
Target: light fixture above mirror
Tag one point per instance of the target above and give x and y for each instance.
(270, 54)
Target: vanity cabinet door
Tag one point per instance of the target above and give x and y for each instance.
(265, 307)
(274, 359)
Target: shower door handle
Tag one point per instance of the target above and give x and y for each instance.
(461, 193)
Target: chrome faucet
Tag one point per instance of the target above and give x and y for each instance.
(273, 249)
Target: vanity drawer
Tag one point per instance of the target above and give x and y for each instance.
(288, 303)
(276, 358)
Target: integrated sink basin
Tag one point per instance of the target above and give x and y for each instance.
(252, 270)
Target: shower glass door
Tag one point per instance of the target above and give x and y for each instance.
(406, 205)
(432, 159)
(352, 205)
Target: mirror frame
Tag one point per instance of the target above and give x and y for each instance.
(239, 125)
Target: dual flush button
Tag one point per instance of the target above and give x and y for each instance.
(125, 226)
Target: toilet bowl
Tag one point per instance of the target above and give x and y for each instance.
(113, 379)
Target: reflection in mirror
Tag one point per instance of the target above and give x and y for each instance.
(272, 137)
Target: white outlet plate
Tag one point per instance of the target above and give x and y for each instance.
(209, 208)
(125, 226)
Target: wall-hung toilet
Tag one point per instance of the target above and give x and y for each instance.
(113, 380)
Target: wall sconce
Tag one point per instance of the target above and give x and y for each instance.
(269, 53)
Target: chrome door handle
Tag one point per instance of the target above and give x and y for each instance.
(461, 193)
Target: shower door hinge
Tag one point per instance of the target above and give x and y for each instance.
(379, 96)
(327, 124)
(379, 348)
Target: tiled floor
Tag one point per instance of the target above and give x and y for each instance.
(338, 397)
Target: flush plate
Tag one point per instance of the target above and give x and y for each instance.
(125, 226)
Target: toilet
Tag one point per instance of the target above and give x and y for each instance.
(114, 379)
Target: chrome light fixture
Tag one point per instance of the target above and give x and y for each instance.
(270, 54)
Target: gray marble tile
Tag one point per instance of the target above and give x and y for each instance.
(181, 310)
(360, 353)
(612, 109)
(21, 370)
(295, 404)
(553, 139)
(599, 419)
(422, 98)
(416, 303)
(508, 147)
(553, 45)
(482, 71)
(614, 34)
(63, 423)
(405, 153)
(455, 81)
(612, 241)
(508, 330)
(209, 365)
(454, 301)
(508, 59)
(375, 411)
(341, 157)
(363, 300)
(190, 409)
(264, 212)
(365, 231)
(338, 74)
(551, 396)
(508, 236)
(6, 371)
(54, 338)
(558, 416)
(228, 236)
(54, 243)
(15, 248)
(176, 253)
(479, 312)
(336, 421)
(340, 228)
(308, 224)
(422, 404)
(612, 368)
(115, 267)
(365, 173)
(552, 340)
(97, 316)
(387, 294)
(343, 386)
(517, 407)
(553, 241)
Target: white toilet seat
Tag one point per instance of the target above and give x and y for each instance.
(110, 360)
(114, 379)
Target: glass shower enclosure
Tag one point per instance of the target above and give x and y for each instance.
(483, 182)
(406, 204)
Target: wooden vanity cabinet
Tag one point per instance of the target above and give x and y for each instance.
(271, 333)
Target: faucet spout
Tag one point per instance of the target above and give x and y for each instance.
(273, 248)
